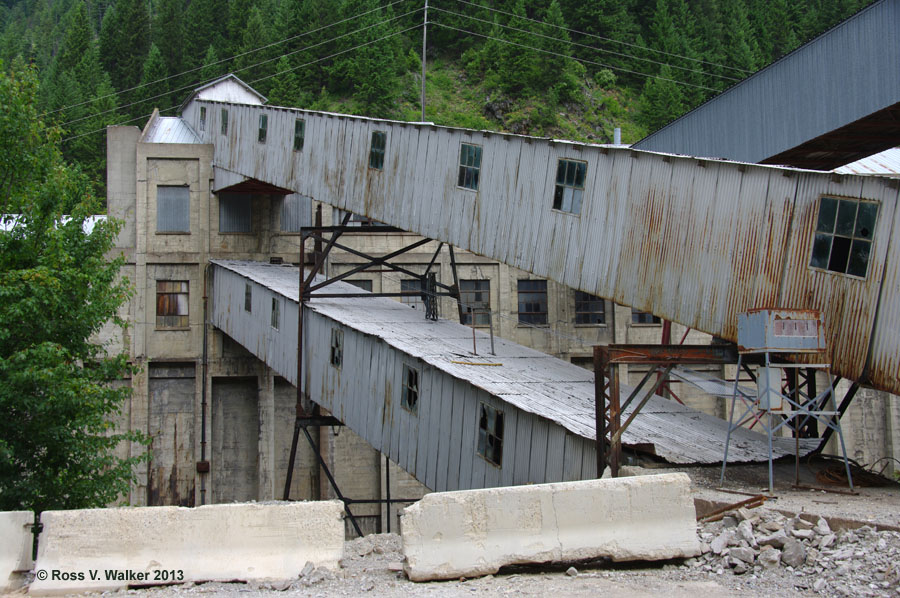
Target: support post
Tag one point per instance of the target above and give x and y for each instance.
(299, 411)
(615, 443)
(601, 365)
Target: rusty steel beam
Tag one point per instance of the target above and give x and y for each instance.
(665, 354)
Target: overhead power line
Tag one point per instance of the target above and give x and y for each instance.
(557, 39)
(262, 78)
(258, 64)
(223, 60)
(582, 60)
(608, 39)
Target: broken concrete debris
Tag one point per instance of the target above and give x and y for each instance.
(471, 533)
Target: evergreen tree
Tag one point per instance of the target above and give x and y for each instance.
(252, 63)
(739, 45)
(206, 22)
(125, 41)
(210, 69)
(517, 66)
(154, 86)
(556, 70)
(168, 34)
(284, 90)
(78, 37)
(661, 101)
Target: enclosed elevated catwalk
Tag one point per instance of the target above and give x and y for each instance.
(694, 241)
(412, 388)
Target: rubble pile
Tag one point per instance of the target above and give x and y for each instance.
(760, 543)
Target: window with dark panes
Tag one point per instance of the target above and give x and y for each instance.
(490, 434)
(569, 190)
(248, 297)
(337, 347)
(409, 398)
(202, 118)
(263, 128)
(469, 166)
(299, 134)
(362, 283)
(643, 317)
(844, 233)
(173, 209)
(475, 296)
(589, 309)
(172, 304)
(532, 301)
(235, 213)
(376, 151)
(412, 285)
(276, 313)
(224, 122)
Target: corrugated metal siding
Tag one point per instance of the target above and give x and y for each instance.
(886, 163)
(296, 212)
(693, 241)
(170, 129)
(173, 209)
(780, 106)
(235, 214)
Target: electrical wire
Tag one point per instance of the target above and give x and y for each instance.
(582, 60)
(608, 39)
(194, 85)
(256, 80)
(550, 37)
(252, 51)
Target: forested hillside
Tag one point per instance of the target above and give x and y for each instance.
(571, 68)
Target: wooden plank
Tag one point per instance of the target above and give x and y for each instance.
(523, 447)
(588, 460)
(467, 451)
(572, 458)
(455, 423)
(556, 450)
(423, 421)
(479, 465)
(510, 426)
(444, 429)
(434, 427)
(538, 462)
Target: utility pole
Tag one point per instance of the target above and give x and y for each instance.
(424, 38)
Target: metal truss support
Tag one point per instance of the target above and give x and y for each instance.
(608, 409)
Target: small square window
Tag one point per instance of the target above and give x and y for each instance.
(490, 434)
(224, 122)
(589, 309)
(475, 296)
(248, 297)
(532, 301)
(337, 347)
(469, 166)
(276, 313)
(173, 209)
(202, 118)
(299, 134)
(409, 398)
(172, 302)
(263, 128)
(411, 285)
(844, 233)
(643, 317)
(569, 190)
(376, 151)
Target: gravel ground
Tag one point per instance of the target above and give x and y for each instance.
(755, 552)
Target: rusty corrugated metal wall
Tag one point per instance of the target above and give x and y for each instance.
(693, 241)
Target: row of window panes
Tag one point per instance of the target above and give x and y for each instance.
(173, 207)
(172, 304)
(223, 120)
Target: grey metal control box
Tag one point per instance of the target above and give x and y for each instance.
(781, 331)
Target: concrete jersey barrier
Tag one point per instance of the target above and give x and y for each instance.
(15, 548)
(475, 532)
(106, 549)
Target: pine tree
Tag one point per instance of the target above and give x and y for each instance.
(556, 70)
(210, 69)
(168, 34)
(78, 37)
(154, 86)
(661, 101)
(125, 41)
(284, 90)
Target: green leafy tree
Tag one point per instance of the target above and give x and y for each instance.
(57, 289)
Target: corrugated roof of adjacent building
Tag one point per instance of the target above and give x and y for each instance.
(886, 163)
(170, 129)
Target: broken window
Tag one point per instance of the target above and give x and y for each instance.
(248, 297)
(224, 122)
(409, 398)
(337, 347)
(475, 296)
(202, 118)
(589, 309)
(299, 134)
(569, 189)
(172, 305)
(412, 285)
(263, 128)
(843, 238)
(276, 313)
(173, 209)
(376, 152)
(469, 166)
(532, 301)
(643, 317)
(235, 213)
(490, 434)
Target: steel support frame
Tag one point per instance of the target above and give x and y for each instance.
(607, 400)
(303, 420)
